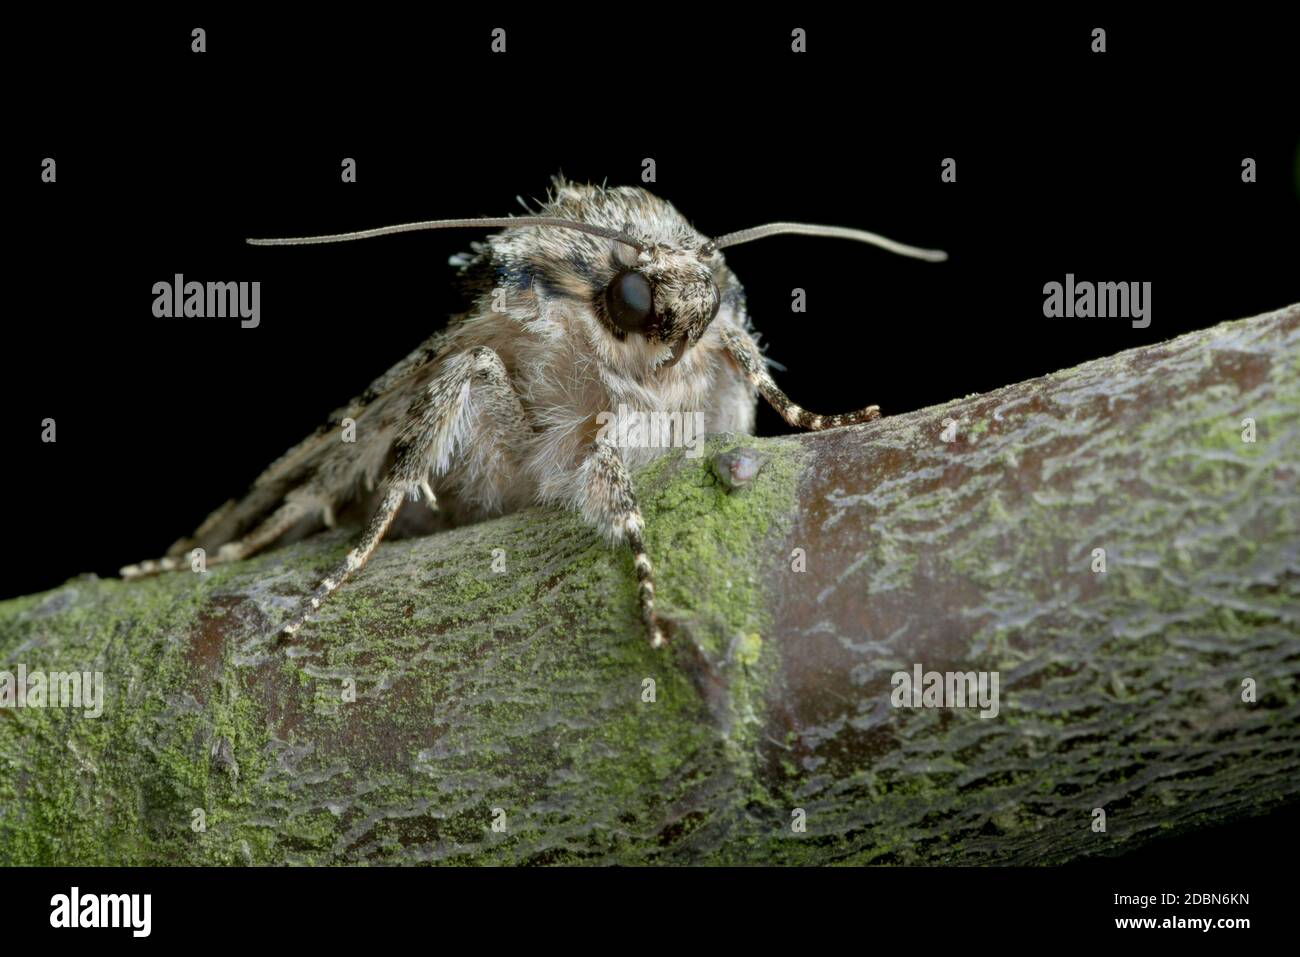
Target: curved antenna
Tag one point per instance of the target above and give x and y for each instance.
(835, 232)
(507, 222)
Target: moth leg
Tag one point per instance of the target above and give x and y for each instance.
(286, 517)
(745, 352)
(473, 391)
(610, 504)
(427, 495)
(355, 559)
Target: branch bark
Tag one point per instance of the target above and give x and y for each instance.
(520, 698)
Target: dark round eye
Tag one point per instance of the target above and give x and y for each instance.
(630, 301)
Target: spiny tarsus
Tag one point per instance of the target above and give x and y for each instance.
(615, 302)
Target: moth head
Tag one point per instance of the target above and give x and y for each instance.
(669, 297)
(665, 282)
(652, 283)
(653, 293)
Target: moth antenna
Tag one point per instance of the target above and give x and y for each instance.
(507, 222)
(835, 232)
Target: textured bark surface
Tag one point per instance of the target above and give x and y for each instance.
(519, 697)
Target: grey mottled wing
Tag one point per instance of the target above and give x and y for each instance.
(323, 465)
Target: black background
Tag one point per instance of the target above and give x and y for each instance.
(1124, 166)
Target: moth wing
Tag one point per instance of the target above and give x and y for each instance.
(323, 466)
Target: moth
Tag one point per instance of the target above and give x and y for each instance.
(604, 298)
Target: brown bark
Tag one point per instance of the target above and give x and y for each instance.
(519, 697)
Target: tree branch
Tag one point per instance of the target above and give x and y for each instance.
(520, 697)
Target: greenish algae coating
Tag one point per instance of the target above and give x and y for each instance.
(435, 698)
(432, 698)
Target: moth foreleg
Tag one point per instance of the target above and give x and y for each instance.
(745, 352)
(356, 558)
(609, 503)
(472, 394)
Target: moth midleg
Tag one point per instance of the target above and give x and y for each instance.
(743, 349)
(438, 424)
(610, 503)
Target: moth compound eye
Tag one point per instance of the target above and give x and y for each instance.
(630, 301)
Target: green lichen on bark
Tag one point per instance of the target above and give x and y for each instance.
(473, 691)
(518, 697)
